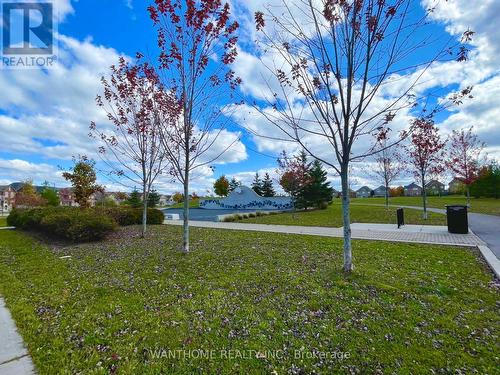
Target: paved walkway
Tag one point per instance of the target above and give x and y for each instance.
(14, 358)
(381, 232)
(486, 227)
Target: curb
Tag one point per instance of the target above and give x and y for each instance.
(491, 259)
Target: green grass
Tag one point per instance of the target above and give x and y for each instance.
(407, 308)
(332, 217)
(3, 221)
(489, 206)
(192, 204)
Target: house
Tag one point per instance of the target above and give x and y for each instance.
(380, 191)
(434, 187)
(166, 200)
(7, 197)
(456, 186)
(412, 190)
(352, 194)
(364, 192)
(67, 198)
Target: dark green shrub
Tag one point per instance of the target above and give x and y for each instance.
(323, 205)
(77, 225)
(132, 216)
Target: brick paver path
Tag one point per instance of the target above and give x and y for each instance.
(433, 235)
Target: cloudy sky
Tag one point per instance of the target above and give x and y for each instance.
(44, 116)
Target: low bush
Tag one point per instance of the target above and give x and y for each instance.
(132, 216)
(64, 222)
(78, 225)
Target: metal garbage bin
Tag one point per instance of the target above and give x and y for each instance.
(456, 216)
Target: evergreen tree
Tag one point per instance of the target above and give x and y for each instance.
(134, 199)
(267, 186)
(233, 184)
(317, 192)
(50, 195)
(153, 199)
(257, 184)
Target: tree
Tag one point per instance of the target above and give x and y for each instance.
(488, 182)
(178, 197)
(388, 165)
(257, 184)
(294, 176)
(27, 197)
(221, 186)
(190, 35)
(83, 180)
(464, 153)
(233, 184)
(134, 199)
(397, 192)
(153, 199)
(131, 148)
(267, 186)
(50, 195)
(330, 61)
(426, 154)
(318, 191)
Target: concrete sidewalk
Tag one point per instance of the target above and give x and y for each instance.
(14, 358)
(378, 232)
(484, 226)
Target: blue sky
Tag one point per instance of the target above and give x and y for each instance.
(44, 116)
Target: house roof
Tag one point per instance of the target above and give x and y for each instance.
(381, 187)
(412, 186)
(433, 183)
(363, 188)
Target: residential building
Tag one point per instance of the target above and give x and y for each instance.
(434, 187)
(413, 190)
(166, 200)
(456, 186)
(364, 192)
(380, 191)
(7, 196)
(352, 194)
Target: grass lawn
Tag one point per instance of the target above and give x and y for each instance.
(407, 308)
(192, 204)
(489, 206)
(332, 217)
(3, 221)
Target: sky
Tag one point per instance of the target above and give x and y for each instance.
(45, 115)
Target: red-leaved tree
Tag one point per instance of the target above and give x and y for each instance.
(294, 175)
(464, 157)
(197, 42)
(334, 64)
(426, 154)
(131, 147)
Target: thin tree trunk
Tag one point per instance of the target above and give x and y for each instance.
(144, 218)
(424, 199)
(185, 245)
(145, 197)
(348, 266)
(468, 195)
(387, 196)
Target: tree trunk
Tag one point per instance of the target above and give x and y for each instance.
(145, 196)
(185, 244)
(468, 195)
(424, 198)
(348, 266)
(387, 196)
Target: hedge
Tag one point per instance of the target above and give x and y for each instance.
(132, 216)
(79, 225)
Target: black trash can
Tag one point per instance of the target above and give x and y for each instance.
(456, 216)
